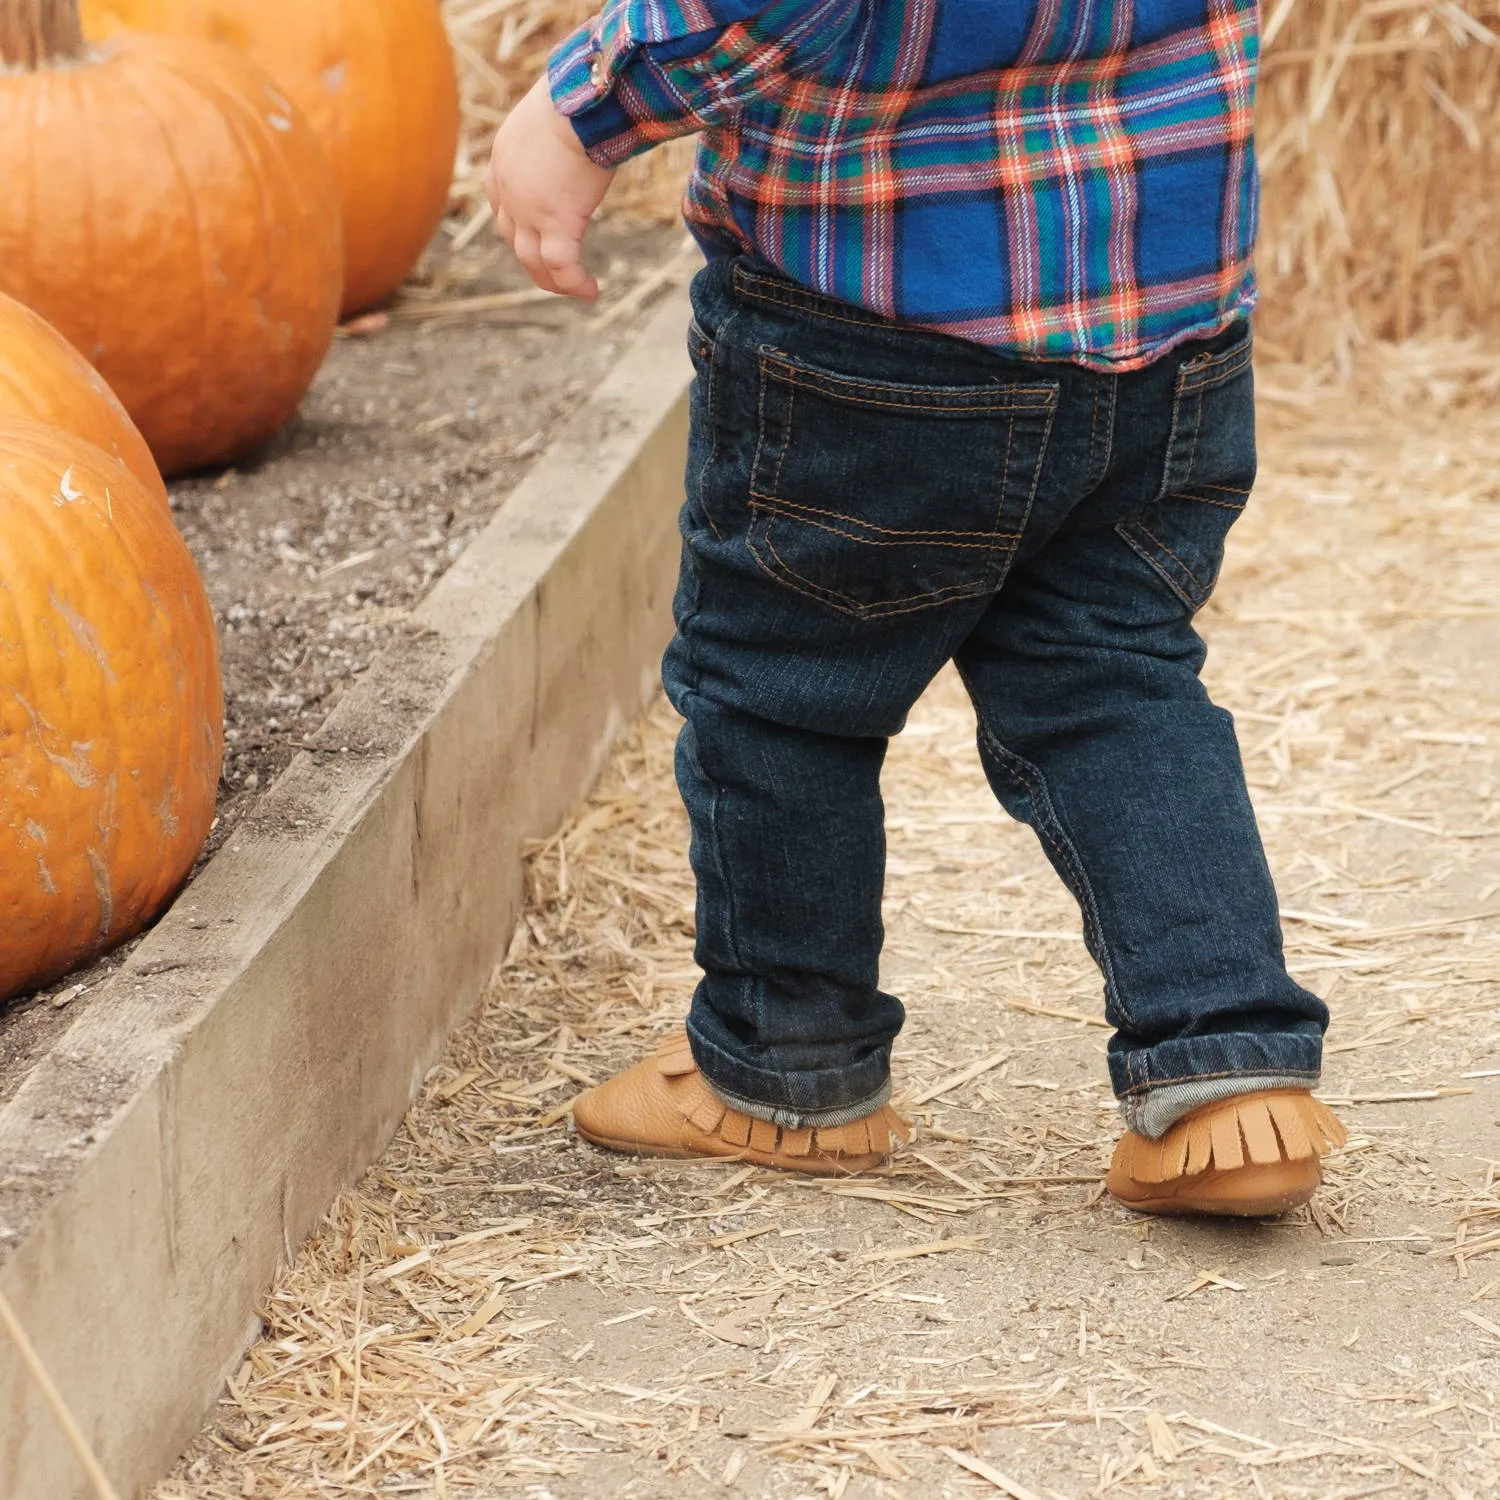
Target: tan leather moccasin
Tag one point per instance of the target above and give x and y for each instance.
(665, 1107)
(1246, 1156)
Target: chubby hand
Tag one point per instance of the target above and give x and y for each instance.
(544, 188)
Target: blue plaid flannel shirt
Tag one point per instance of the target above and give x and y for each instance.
(1055, 179)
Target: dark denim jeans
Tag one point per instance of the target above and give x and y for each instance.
(866, 503)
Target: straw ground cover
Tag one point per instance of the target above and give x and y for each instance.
(498, 1309)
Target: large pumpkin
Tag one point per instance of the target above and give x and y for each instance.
(376, 78)
(111, 713)
(43, 378)
(172, 215)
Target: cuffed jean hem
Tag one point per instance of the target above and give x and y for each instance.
(1153, 1114)
(1295, 1056)
(795, 1120)
(796, 1101)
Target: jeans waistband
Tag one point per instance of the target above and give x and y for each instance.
(755, 282)
(1213, 359)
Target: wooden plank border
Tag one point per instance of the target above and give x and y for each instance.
(260, 1048)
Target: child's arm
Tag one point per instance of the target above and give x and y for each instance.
(643, 71)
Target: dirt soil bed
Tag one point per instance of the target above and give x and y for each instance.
(501, 1310)
(315, 550)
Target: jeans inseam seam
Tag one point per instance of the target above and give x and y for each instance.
(1049, 826)
(731, 926)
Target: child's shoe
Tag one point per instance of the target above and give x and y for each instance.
(664, 1107)
(1249, 1155)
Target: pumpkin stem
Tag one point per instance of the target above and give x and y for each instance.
(36, 32)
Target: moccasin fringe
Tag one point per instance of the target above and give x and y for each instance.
(1260, 1128)
(707, 1112)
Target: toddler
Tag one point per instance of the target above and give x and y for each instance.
(974, 385)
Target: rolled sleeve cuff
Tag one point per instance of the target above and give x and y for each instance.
(584, 77)
(576, 72)
(613, 117)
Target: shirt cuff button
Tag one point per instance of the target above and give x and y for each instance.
(596, 72)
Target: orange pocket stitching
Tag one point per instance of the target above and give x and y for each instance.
(794, 375)
(755, 289)
(1218, 368)
(1205, 500)
(1197, 582)
(847, 602)
(795, 510)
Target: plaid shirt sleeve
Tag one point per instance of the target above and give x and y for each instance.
(644, 71)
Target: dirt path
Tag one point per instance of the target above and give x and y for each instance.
(499, 1310)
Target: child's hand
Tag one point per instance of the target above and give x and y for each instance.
(543, 188)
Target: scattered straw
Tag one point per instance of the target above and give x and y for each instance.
(989, 1472)
(969, 1242)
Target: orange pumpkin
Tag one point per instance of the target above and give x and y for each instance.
(173, 217)
(111, 712)
(377, 80)
(44, 378)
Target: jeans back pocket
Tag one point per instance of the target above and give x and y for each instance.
(1208, 475)
(878, 498)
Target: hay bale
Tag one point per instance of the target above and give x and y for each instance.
(1381, 151)
(1378, 137)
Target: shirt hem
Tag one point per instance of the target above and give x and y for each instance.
(1121, 359)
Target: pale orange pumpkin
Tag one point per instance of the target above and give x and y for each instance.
(174, 218)
(377, 80)
(43, 378)
(111, 712)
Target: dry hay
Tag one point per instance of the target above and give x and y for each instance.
(1379, 142)
(497, 1310)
